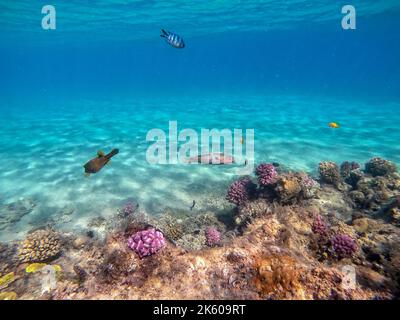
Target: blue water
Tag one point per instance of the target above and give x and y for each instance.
(104, 78)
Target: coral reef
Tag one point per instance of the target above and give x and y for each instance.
(293, 239)
(380, 167)
(241, 191)
(41, 245)
(146, 242)
(213, 237)
(266, 174)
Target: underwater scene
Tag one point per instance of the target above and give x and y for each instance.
(223, 150)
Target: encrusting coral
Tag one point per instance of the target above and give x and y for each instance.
(40, 245)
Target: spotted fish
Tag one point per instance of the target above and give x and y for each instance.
(173, 39)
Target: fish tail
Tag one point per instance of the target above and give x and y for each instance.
(112, 153)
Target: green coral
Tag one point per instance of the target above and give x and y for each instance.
(8, 296)
(7, 279)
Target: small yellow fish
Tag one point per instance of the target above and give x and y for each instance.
(241, 140)
(334, 125)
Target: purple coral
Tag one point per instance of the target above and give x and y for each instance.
(343, 245)
(213, 237)
(128, 209)
(266, 173)
(146, 242)
(319, 226)
(240, 191)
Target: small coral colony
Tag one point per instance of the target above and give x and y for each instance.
(280, 235)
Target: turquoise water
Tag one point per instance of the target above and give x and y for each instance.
(104, 78)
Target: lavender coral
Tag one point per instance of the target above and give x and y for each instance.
(146, 242)
(128, 209)
(240, 191)
(266, 173)
(343, 245)
(213, 237)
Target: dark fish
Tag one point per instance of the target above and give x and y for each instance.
(96, 164)
(192, 206)
(173, 39)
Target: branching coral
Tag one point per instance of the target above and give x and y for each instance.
(213, 237)
(343, 246)
(241, 191)
(266, 174)
(146, 242)
(319, 226)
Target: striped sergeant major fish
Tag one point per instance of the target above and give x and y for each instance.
(173, 39)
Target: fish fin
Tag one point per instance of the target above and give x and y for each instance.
(165, 33)
(87, 174)
(100, 153)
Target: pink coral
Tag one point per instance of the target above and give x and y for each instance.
(319, 226)
(266, 173)
(129, 209)
(344, 246)
(213, 237)
(241, 191)
(146, 242)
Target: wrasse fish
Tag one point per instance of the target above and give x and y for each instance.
(96, 164)
(173, 39)
(334, 125)
(213, 158)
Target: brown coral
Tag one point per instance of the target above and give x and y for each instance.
(277, 277)
(288, 188)
(41, 245)
(380, 167)
(252, 209)
(330, 173)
